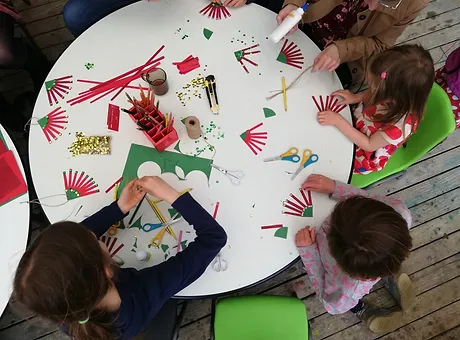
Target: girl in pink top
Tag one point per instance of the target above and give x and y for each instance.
(400, 80)
(365, 239)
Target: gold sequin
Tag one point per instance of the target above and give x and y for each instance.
(93, 145)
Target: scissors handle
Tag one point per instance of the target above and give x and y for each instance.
(156, 241)
(291, 152)
(313, 159)
(148, 227)
(306, 155)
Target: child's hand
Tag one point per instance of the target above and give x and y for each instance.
(329, 118)
(327, 60)
(305, 237)
(348, 97)
(234, 3)
(217, 2)
(319, 183)
(284, 13)
(130, 196)
(155, 186)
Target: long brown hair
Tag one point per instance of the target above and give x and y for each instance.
(62, 277)
(368, 238)
(402, 78)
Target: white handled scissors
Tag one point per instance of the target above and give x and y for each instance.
(219, 265)
(235, 176)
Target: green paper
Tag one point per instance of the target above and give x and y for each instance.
(183, 244)
(122, 225)
(43, 122)
(71, 194)
(307, 212)
(269, 112)
(137, 224)
(2, 139)
(172, 212)
(183, 120)
(50, 84)
(166, 160)
(238, 55)
(282, 58)
(243, 135)
(281, 232)
(207, 33)
(164, 247)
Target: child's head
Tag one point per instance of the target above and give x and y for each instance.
(63, 276)
(368, 238)
(402, 77)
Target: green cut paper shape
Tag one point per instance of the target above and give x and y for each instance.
(183, 120)
(172, 212)
(135, 244)
(164, 247)
(282, 58)
(207, 33)
(71, 194)
(43, 122)
(137, 224)
(269, 112)
(243, 135)
(122, 225)
(281, 232)
(307, 212)
(183, 244)
(238, 55)
(50, 84)
(166, 160)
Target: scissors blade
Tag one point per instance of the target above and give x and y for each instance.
(296, 173)
(271, 159)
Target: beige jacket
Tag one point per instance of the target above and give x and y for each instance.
(374, 31)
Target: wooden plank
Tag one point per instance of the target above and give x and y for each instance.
(430, 325)
(451, 142)
(434, 9)
(54, 52)
(58, 335)
(452, 334)
(12, 316)
(53, 38)
(420, 172)
(436, 229)
(18, 80)
(20, 5)
(437, 38)
(46, 25)
(425, 27)
(27, 330)
(44, 11)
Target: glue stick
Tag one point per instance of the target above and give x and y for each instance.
(143, 255)
(288, 23)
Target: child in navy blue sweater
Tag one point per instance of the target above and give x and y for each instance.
(68, 277)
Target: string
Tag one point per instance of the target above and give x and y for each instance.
(293, 83)
(29, 123)
(37, 201)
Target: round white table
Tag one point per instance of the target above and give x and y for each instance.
(15, 231)
(127, 39)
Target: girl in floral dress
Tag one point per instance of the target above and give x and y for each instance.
(400, 80)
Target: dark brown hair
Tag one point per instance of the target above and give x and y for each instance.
(62, 277)
(368, 238)
(408, 76)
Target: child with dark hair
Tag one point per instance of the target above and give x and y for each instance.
(68, 277)
(365, 239)
(400, 80)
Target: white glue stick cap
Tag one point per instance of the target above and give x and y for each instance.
(288, 23)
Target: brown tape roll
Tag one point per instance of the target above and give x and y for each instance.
(192, 124)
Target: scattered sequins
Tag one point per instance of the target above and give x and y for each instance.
(191, 89)
(181, 34)
(89, 66)
(93, 145)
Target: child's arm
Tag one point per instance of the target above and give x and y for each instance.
(335, 303)
(166, 279)
(370, 144)
(99, 222)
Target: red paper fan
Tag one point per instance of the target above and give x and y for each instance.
(215, 11)
(110, 242)
(78, 185)
(58, 88)
(291, 55)
(254, 139)
(53, 123)
(329, 104)
(241, 56)
(298, 207)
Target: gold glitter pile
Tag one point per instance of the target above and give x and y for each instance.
(93, 145)
(191, 89)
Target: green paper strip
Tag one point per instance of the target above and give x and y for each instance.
(269, 112)
(281, 232)
(207, 33)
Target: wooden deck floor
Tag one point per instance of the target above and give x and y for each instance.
(431, 189)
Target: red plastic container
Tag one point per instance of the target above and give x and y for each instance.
(157, 133)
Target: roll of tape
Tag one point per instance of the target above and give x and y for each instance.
(192, 124)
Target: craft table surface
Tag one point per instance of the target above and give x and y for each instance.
(127, 39)
(14, 218)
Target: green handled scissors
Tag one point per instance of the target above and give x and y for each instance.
(292, 155)
(308, 158)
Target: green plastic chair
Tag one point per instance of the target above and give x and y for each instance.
(437, 123)
(260, 317)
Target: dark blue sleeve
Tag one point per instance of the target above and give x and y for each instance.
(181, 270)
(99, 222)
(249, 2)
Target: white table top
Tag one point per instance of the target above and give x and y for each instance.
(15, 230)
(127, 39)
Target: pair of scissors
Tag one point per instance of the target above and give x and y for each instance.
(147, 227)
(308, 158)
(235, 176)
(156, 241)
(292, 155)
(219, 265)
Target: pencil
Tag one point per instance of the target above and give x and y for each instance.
(115, 192)
(135, 211)
(283, 87)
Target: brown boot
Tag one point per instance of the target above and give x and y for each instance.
(380, 320)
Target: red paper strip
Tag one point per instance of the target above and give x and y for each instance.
(113, 117)
(273, 226)
(113, 185)
(216, 209)
(179, 240)
(188, 64)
